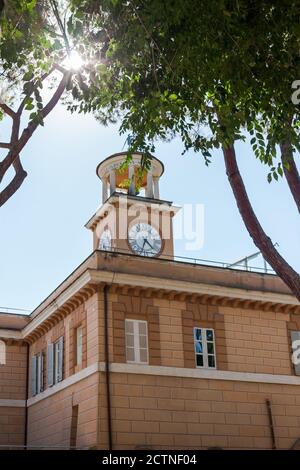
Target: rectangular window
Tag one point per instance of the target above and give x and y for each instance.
(33, 376)
(50, 364)
(58, 360)
(40, 372)
(37, 374)
(136, 336)
(79, 346)
(205, 350)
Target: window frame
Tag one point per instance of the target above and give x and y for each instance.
(136, 342)
(58, 350)
(39, 372)
(205, 354)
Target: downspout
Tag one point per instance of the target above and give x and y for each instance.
(271, 423)
(26, 401)
(107, 366)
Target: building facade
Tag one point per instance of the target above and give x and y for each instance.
(135, 350)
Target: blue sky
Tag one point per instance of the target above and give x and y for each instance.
(42, 236)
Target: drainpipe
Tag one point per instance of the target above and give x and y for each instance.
(107, 369)
(271, 423)
(26, 400)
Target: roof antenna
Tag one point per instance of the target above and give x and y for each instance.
(244, 261)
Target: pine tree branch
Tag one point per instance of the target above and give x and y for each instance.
(290, 171)
(258, 235)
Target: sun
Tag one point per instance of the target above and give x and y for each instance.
(74, 61)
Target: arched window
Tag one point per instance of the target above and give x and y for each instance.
(2, 353)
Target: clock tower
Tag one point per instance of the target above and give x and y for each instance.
(132, 218)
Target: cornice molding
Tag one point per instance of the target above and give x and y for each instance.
(88, 282)
(164, 371)
(12, 403)
(222, 293)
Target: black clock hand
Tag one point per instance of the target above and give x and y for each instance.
(146, 241)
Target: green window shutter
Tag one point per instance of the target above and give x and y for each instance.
(33, 376)
(295, 336)
(50, 364)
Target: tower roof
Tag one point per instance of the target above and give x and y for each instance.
(116, 159)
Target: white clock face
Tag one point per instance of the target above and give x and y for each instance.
(105, 240)
(144, 240)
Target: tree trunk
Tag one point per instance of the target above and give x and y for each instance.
(260, 238)
(291, 173)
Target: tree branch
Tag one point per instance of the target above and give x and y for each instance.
(15, 183)
(56, 95)
(290, 171)
(8, 110)
(260, 238)
(23, 102)
(4, 145)
(19, 144)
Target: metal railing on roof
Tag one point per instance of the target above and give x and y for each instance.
(198, 261)
(14, 311)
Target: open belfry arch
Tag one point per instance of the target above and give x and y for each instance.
(137, 350)
(112, 174)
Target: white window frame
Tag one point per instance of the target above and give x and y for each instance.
(40, 373)
(79, 338)
(136, 341)
(57, 353)
(37, 374)
(205, 353)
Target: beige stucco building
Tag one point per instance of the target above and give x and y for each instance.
(137, 350)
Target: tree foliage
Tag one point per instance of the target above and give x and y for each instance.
(38, 40)
(182, 67)
(211, 72)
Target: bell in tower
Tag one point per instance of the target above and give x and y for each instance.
(132, 218)
(115, 179)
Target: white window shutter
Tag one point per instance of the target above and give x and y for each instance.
(136, 337)
(33, 376)
(60, 358)
(41, 378)
(50, 364)
(295, 336)
(79, 346)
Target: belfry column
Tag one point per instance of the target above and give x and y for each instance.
(104, 190)
(112, 181)
(149, 187)
(156, 187)
(131, 190)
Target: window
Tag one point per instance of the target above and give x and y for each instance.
(37, 374)
(55, 354)
(79, 346)
(136, 336)
(58, 360)
(204, 344)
